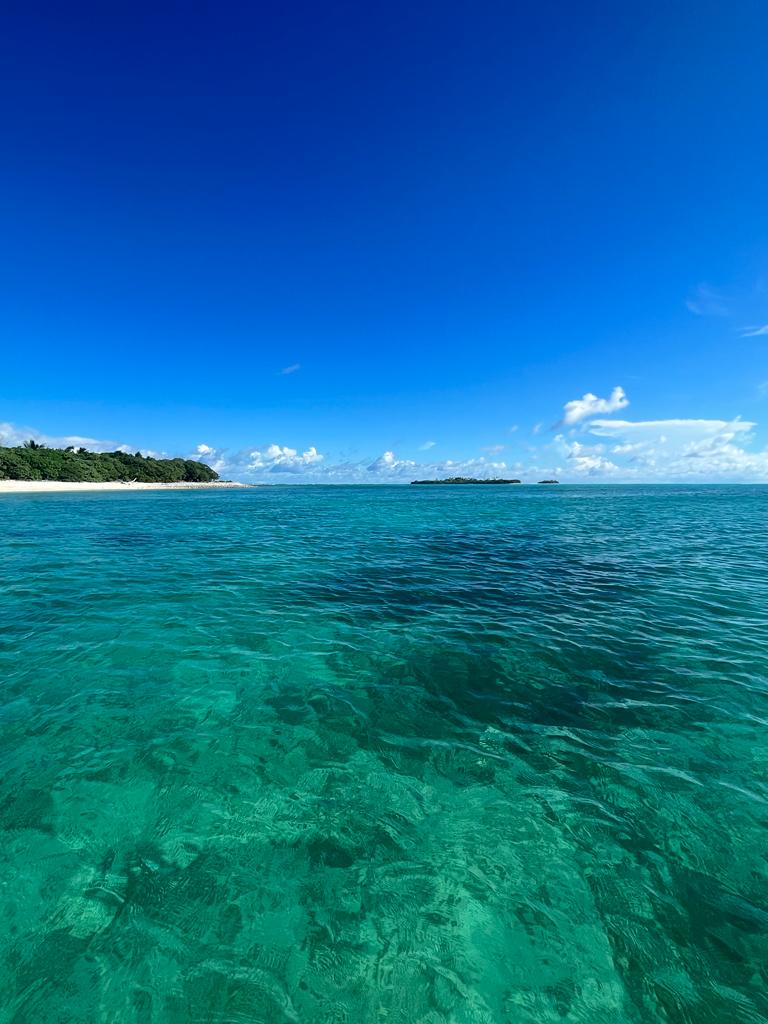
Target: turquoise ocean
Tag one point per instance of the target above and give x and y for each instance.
(384, 755)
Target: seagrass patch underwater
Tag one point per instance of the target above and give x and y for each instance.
(414, 755)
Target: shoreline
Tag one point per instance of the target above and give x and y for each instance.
(64, 486)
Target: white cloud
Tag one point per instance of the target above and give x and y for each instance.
(584, 460)
(705, 301)
(252, 464)
(625, 449)
(389, 464)
(290, 369)
(593, 465)
(12, 436)
(644, 428)
(427, 445)
(536, 428)
(754, 332)
(281, 459)
(684, 449)
(493, 449)
(590, 405)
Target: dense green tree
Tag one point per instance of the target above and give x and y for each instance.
(466, 480)
(33, 461)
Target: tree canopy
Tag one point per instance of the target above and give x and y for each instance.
(466, 480)
(33, 461)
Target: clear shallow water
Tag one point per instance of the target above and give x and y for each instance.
(401, 755)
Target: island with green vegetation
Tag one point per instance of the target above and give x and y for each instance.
(466, 480)
(549, 481)
(33, 461)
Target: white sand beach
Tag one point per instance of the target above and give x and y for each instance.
(59, 486)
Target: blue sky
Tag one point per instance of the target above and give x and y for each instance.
(447, 221)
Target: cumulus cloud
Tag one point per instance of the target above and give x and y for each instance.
(593, 465)
(388, 463)
(252, 464)
(719, 458)
(684, 449)
(281, 459)
(590, 405)
(584, 460)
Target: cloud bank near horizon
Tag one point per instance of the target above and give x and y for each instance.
(593, 448)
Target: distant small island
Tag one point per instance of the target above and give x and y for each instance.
(466, 480)
(549, 481)
(33, 461)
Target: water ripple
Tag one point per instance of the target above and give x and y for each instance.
(333, 756)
